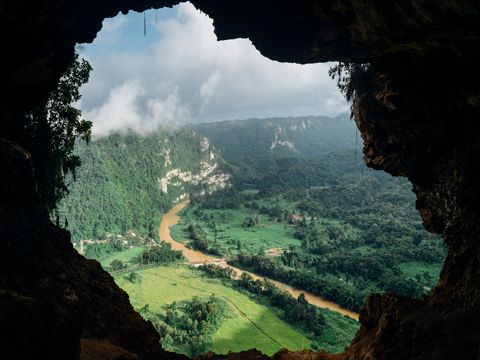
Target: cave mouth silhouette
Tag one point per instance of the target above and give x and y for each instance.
(414, 123)
(146, 32)
(166, 68)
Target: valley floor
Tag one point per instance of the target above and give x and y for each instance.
(250, 322)
(171, 218)
(247, 325)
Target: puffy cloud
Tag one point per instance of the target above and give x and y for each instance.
(129, 107)
(112, 25)
(185, 75)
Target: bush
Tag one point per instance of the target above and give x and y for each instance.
(249, 222)
(216, 271)
(188, 327)
(134, 278)
(161, 254)
(117, 265)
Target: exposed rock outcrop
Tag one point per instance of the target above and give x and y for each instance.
(50, 296)
(418, 116)
(420, 120)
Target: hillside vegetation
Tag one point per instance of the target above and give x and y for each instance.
(318, 220)
(265, 152)
(239, 141)
(289, 199)
(245, 325)
(127, 181)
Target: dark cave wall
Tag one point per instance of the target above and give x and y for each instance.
(419, 117)
(50, 296)
(39, 36)
(417, 113)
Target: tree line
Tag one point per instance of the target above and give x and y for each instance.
(297, 312)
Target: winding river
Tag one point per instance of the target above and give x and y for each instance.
(194, 257)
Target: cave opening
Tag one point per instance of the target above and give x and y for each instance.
(169, 73)
(416, 114)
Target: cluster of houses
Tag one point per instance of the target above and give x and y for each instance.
(130, 239)
(294, 219)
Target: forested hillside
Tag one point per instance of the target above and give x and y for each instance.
(302, 207)
(289, 199)
(313, 215)
(127, 181)
(274, 154)
(310, 136)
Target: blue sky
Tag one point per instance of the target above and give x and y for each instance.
(125, 33)
(179, 73)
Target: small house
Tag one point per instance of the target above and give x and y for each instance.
(296, 218)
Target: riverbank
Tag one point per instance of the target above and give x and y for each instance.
(194, 257)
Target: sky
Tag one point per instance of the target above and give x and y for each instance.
(179, 73)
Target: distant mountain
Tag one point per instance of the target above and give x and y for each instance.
(308, 136)
(280, 153)
(127, 181)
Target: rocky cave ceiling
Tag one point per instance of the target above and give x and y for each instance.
(418, 114)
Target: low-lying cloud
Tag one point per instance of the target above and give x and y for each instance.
(186, 75)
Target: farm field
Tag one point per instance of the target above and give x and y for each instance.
(127, 256)
(232, 237)
(412, 269)
(250, 323)
(230, 231)
(247, 325)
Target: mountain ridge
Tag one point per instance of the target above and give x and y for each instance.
(307, 136)
(127, 181)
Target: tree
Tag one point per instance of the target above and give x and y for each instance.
(52, 129)
(352, 79)
(302, 300)
(117, 265)
(162, 254)
(151, 231)
(249, 222)
(134, 277)
(427, 277)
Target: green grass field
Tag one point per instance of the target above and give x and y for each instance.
(268, 235)
(411, 269)
(251, 323)
(338, 333)
(365, 250)
(127, 256)
(248, 325)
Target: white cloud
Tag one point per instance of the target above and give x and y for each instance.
(114, 24)
(188, 76)
(128, 107)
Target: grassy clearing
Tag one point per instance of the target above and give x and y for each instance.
(128, 256)
(230, 231)
(338, 332)
(248, 324)
(250, 191)
(365, 250)
(251, 322)
(414, 268)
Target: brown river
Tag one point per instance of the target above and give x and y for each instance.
(194, 257)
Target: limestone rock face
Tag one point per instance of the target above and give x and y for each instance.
(418, 113)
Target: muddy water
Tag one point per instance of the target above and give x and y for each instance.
(196, 257)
